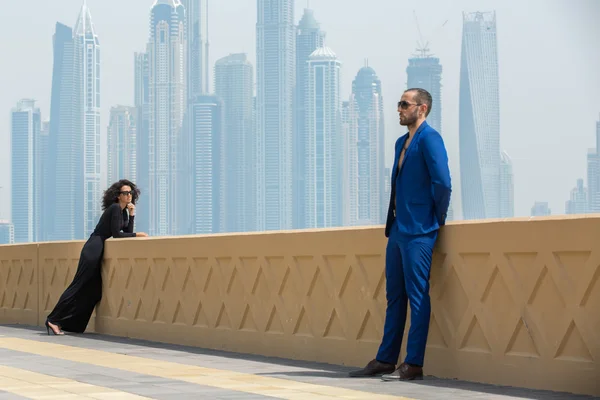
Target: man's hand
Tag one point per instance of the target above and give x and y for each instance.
(141, 234)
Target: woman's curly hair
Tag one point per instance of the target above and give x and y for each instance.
(111, 195)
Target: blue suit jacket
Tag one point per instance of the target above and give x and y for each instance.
(421, 186)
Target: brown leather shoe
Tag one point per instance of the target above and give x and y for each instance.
(373, 368)
(405, 372)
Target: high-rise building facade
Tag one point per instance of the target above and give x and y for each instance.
(276, 65)
(365, 145)
(207, 164)
(121, 144)
(578, 203)
(72, 179)
(7, 232)
(87, 51)
(43, 172)
(479, 117)
(25, 158)
(540, 209)
(142, 109)
(72, 190)
(593, 174)
(61, 210)
(425, 72)
(346, 162)
(234, 86)
(195, 47)
(309, 37)
(167, 103)
(323, 176)
(507, 189)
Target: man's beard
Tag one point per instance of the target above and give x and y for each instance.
(409, 120)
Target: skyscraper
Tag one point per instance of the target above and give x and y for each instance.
(122, 145)
(234, 86)
(275, 41)
(425, 72)
(25, 150)
(7, 232)
(167, 103)
(142, 106)
(206, 150)
(323, 176)
(309, 38)
(593, 174)
(43, 172)
(507, 190)
(365, 143)
(195, 47)
(540, 208)
(479, 117)
(87, 51)
(346, 187)
(72, 175)
(62, 212)
(578, 203)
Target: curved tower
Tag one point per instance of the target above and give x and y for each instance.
(479, 117)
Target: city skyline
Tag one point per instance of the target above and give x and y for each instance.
(342, 89)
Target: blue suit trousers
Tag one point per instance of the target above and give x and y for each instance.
(407, 271)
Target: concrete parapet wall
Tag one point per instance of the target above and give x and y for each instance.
(514, 302)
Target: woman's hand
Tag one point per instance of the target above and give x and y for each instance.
(131, 209)
(141, 234)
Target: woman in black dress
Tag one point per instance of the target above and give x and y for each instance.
(74, 308)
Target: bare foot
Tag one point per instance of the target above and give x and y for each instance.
(55, 328)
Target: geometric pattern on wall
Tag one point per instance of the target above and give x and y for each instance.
(18, 284)
(58, 264)
(513, 303)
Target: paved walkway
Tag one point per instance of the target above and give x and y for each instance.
(36, 366)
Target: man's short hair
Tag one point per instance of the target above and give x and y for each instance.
(422, 96)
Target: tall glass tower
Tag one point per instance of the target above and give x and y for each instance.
(60, 211)
(73, 189)
(323, 176)
(195, 47)
(479, 117)
(425, 72)
(167, 104)
(121, 143)
(365, 167)
(87, 49)
(234, 86)
(25, 149)
(309, 38)
(276, 65)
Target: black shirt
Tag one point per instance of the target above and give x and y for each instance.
(115, 222)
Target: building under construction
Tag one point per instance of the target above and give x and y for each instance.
(425, 71)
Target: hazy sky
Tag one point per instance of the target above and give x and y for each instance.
(548, 55)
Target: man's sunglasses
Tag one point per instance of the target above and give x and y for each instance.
(405, 104)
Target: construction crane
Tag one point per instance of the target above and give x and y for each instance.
(423, 45)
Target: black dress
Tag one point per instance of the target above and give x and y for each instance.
(74, 308)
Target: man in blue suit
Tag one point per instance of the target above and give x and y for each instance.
(419, 201)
